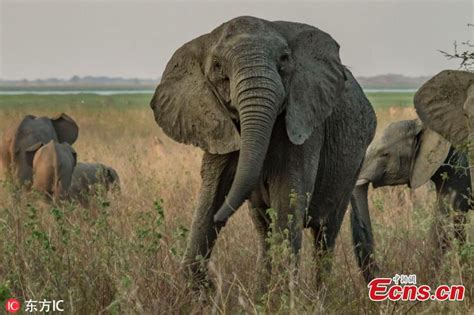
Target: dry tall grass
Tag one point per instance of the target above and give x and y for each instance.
(123, 255)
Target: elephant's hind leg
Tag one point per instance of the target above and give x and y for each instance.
(337, 174)
(217, 172)
(325, 240)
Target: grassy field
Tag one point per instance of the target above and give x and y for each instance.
(122, 256)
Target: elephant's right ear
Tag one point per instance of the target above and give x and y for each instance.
(66, 128)
(31, 151)
(186, 108)
(430, 153)
(439, 104)
(112, 175)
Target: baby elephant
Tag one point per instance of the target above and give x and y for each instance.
(409, 153)
(53, 164)
(86, 178)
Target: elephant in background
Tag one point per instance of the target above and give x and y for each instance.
(53, 165)
(282, 122)
(87, 176)
(445, 103)
(28, 132)
(409, 153)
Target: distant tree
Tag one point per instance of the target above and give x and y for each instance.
(463, 52)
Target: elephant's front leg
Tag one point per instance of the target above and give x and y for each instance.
(438, 229)
(217, 172)
(290, 190)
(290, 201)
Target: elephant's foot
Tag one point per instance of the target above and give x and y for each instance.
(323, 269)
(370, 271)
(196, 275)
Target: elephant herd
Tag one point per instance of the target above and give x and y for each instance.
(283, 124)
(37, 153)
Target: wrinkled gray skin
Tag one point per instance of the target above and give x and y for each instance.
(281, 121)
(445, 103)
(53, 165)
(87, 176)
(29, 131)
(394, 159)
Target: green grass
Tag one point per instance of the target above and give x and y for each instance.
(43, 102)
(58, 102)
(387, 99)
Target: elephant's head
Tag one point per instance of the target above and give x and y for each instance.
(224, 90)
(406, 153)
(32, 130)
(445, 102)
(53, 166)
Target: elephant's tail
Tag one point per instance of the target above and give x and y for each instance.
(363, 243)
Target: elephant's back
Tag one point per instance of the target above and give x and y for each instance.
(359, 110)
(87, 173)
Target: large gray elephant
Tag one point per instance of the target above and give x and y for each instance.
(53, 165)
(445, 103)
(409, 153)
(29, 131)
(282, 122)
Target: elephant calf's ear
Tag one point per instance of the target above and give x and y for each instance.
(431, 151)
(317, 83)
(186, 108)
(112, 175)
(66, 128)
(31, 151)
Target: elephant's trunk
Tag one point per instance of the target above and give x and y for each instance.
(362, 231)
(259, 93)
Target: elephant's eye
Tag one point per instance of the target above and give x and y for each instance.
(284, 58)
(217, 65)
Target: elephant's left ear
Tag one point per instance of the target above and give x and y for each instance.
(317, 82)
(430, 153)
(66, 128)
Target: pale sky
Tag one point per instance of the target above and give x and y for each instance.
(136, 38)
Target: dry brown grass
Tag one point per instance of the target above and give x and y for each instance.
(123, 255)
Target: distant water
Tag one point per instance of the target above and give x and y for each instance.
(65, 92)
(115, 92)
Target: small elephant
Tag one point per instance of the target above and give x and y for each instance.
(28, 132)
(87, 176)
(53, 165)
(283, 124)
(409, 153)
